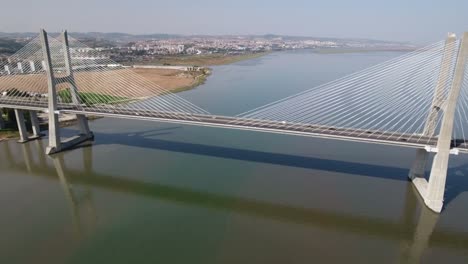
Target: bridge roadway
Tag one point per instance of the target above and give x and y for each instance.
(278, 127)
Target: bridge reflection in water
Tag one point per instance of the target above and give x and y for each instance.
(415, 233)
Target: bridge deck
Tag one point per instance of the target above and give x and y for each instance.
(279, 127)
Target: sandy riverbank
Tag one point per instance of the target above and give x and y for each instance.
(138, 82)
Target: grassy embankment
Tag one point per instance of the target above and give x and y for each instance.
(8, 133)
(10, 130)
(91, 98)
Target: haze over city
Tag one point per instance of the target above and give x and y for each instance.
(415, 21)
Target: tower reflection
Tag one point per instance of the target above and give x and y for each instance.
(79, 199)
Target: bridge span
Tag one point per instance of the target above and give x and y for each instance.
(418, 100)
(278, 127)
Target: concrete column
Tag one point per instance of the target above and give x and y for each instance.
(21, 126)
(419, 165)
(7, 69)
(2, 122)
(54, 132)
(68, 68)
(35, 124)
(82, 120)
(20, 67)
(434, 195)
(84, 126)
(44, 65)
(32, 66)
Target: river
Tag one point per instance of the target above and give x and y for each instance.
(147, 192)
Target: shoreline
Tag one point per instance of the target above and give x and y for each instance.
(204, 69)
(197, 81)
(68, 120)
(206, 60)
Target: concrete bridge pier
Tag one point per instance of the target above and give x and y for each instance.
(2, 122)
(21, 126)
(24, 135)
(432, 190)
(36, 129)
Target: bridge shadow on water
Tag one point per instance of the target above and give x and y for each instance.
(457, 181)
(146, 140)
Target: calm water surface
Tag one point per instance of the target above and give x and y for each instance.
(147, 192)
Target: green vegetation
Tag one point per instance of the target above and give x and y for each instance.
(91, 98)
(9, 46)
(8, 133)
(10, 130)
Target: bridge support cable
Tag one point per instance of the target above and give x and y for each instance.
(62, 74)
(73, 89)
(385, 101)
(103, 84)
(344, 80)
(22, 78)
(399, 100)
(117, 89)
(460, 136)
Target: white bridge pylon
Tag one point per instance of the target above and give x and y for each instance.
(418, 100)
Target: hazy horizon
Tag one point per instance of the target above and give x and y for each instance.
(417, 21)
(209, 35)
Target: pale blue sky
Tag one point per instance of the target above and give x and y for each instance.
(418, 21)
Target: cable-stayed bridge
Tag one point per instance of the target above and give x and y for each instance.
(417, 100)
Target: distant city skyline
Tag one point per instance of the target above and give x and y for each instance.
(416, 21)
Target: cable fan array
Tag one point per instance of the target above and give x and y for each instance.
(102, 85)
(389, 100)
(460, 132)
(22, 78)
